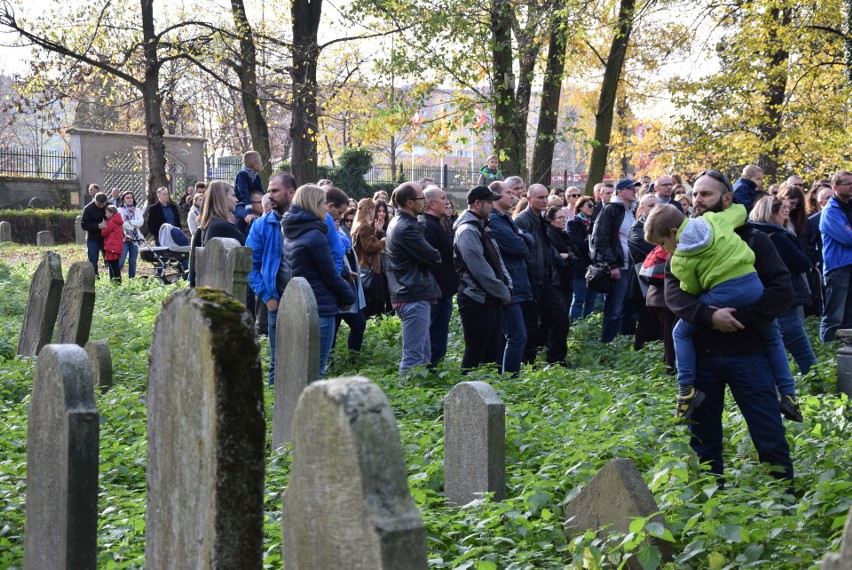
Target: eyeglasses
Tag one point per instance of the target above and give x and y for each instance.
(563, 218)
(573, 195)
(420, 198)
(670, 184)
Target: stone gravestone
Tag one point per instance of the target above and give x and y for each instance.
(42, 306)
(206, 431)
(296, 355)
(61, 528)
(44, 238)
(100, 360)
(223, 264)
(841, 560)
(5, 231)
(347, 504)
(79, 232)
(474, 443)
(844, 362)
(611, 498)
(76, 305)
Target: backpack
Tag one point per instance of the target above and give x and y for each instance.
(653, 271)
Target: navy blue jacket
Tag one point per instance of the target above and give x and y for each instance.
(514, 251)
(308, 255)
(744, 192)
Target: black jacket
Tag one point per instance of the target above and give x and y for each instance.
(580, 236)
(793, 257)
(776, 299)
(605, 235)
(442, 240)
(540, 262)
(92, 217)
(409, 261)
(157, 218)
(562, 243)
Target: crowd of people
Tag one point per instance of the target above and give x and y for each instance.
(723, 274)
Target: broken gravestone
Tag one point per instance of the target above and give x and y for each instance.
(61, 528)
(206, 431)
(100, 360)
(76, 305)
(42, 305)
(347, 504)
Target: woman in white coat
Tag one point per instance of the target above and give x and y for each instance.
(133, 220)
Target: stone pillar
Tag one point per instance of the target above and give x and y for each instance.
(79, 232)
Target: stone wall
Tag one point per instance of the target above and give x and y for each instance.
(17, 192)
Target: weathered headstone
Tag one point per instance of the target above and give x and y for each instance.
(79, 232)
(844, 362)
(347, 504)
(5, 231)
(42, 306)
(296, 355)
(61, 528)
(44, 237)
(611, 498)
(76, 305)
(206, 433)
(841, 560)
(223, 264)
(474, 443)
(100, 360)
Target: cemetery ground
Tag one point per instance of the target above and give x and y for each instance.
(562, 427)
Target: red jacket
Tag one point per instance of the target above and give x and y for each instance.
(113, 234)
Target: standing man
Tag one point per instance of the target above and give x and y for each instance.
(663, 187)
(516, 185)
(268, 276)
(93, 221)
(606, 192)
(92, 190)
(163, 212)
(444, 273)
(611, 231)
(484, 285)
(747, 186)
(730, 349)
(514, 251)
(546, 317)
(412, 286)
(835, 225)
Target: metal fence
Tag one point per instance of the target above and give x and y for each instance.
(37, 163)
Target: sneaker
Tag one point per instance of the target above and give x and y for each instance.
(790, 408)
(687, 404)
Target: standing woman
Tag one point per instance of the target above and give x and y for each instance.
(133, 220)
(194, 212)
(369, 246)
(380, 226)
(797, 220)
(568, 253)
(308, 255)
(584, 299)
(217, 212)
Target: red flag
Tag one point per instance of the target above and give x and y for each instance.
(479, 118)
(417, 120)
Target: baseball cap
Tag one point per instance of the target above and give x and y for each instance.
(626, 183)
(481, 193)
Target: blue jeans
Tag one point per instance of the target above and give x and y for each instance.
(129, 251)
(439, 328)
(614, 307)
(737, 293)
(583, 302)
(837, 311)
(94, 249)
(753, 388)
(327, 329)
(271, 327)
(796, 339)
(416, 349)
(515, 333)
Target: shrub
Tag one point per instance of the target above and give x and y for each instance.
(27, 223)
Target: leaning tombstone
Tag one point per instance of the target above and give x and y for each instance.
(841, 560)
(612, 498)
(206, 431)
(79, 232)
(474, 443)
(42, 305)
(223, 264)
(297, 360)
(44, 238)
(844, 362)
(5, 231)
(76, 305)
(100, 360)
(347, 504)
(61, 528)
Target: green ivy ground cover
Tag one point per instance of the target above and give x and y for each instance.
(562, 427)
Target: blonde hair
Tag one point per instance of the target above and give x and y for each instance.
(661, 220)
(251, 156)
(311, 197)
(362, 215)
(215, 203)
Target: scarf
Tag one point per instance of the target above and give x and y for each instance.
(583, 218)
(251, 173)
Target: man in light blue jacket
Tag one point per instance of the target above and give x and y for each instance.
(835, 225)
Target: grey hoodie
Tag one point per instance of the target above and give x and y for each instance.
(479, 280)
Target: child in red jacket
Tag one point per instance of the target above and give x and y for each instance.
(113, 241)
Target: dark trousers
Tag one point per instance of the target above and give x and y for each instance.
(482, 332)
(646, 327)
(357, 324)
(665, 320)
(114, 269)
(547, 324)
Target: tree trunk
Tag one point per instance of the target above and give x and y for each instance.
(247, 72)
(774, 92)
(153, 100)
(303, 128)
(609, 88)
(548, 119)
(503, 85)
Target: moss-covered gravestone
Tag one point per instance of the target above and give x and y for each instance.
(206, 431)
(42, 305)
(61, 528)
(76, 305)
(347, 504)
